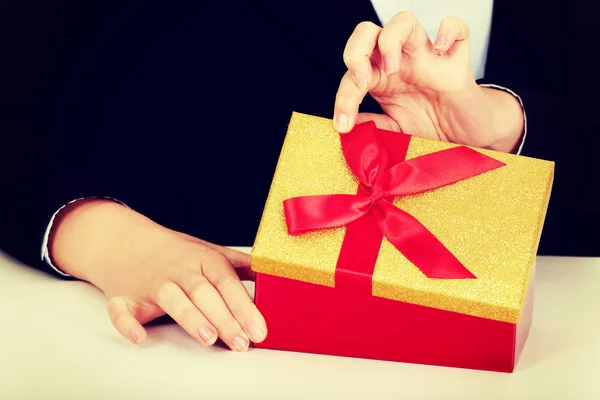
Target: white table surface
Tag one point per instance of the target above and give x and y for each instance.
(56, 342)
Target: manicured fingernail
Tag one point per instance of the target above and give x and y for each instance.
(341, 123)
(206, 334)
(135, 337)
(256, 334)
(440, 42)
(240, 343)
(388, 65)
(360, 80)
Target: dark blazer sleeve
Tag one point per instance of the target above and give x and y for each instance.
(563, 128)
(555, 81)
(28, 200)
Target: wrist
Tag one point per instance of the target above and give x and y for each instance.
(506, 119)
(92, 239)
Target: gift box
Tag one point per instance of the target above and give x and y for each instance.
(381, 245)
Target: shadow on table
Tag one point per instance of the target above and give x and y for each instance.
(546, 343)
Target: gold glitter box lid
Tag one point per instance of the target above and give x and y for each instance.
(492, 223)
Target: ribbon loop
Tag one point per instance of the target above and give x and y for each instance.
(434, 170)
(365, 154)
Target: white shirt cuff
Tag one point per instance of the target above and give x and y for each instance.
(522, 107)
(45, 251)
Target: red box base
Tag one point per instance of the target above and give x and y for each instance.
(309, 318)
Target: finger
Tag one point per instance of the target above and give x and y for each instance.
(222, 276)
(174, 302)
(122, 316)
(404, 33)
(452, 31)
(347, 100)
(382, 121)
(206, 299)
(358, 52)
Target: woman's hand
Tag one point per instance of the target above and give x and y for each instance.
(425, 89)
(147, 271)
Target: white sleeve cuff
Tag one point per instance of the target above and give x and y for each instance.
(45, 251)
(522, 107)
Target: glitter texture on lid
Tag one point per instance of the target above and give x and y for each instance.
(492, 223)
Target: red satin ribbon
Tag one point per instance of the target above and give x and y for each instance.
(377, 158)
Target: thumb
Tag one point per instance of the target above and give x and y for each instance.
(245, 274)
(240, 261)
(237, 258)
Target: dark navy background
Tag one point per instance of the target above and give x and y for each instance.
(177, 108)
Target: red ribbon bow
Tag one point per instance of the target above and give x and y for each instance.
(377, 159)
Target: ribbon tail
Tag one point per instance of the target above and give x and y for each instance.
(418, 244)
(308, 213)
(358, 255)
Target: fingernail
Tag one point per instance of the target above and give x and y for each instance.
(360, 80)
(439, 42)
(256, 334)
(341, 123)
(206, 334)
(388, 65)
(240, 344)
(135, 336)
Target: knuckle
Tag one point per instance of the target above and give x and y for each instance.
(384, 40)
(217, 256)
(406, 16)
(119, 318)
(188, 316)
(366, 26)
(450, 20)
(197, 289)
(224, 281)
(465, 28)
(112, 307)
(240, 313)
(351, 58)
(117, 314)
(214, 257)
(455, 23)
(390, 39)
(227, 325)
(163, 291)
